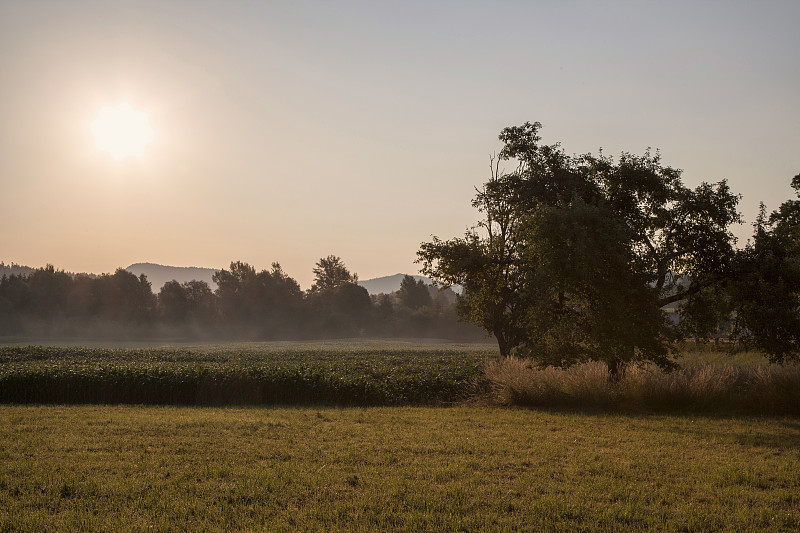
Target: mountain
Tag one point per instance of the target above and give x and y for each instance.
(158, 275)
(388, 284)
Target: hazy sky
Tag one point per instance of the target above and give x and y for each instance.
(287, 131)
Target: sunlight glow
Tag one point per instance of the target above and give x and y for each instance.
(122, 131)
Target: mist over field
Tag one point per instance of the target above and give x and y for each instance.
(236, 304)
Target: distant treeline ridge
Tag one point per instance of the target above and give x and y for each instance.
(247, 304)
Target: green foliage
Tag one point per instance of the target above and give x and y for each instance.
(413, 293)
(264, 304)
(340, 311)
(336, 305)
(223, 376)
(766, 292)
(49, 292)
(125, 298)
(331, 272)
(576, 255)
(585, 302)
(191, 301)
(247, 305)
(50, 299)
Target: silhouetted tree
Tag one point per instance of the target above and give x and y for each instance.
(14, 302)
(191, 303)
(341, 311)
(766, 292)
(125, 298)
(413, 294)
(630, 230)
(235, 292)
(331, 272)
(336, 304)
(83, 301)
(48, 292)
(173, 303)
(201, 300)
(282, 301)
(265, 304)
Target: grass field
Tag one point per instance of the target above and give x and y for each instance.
(89, 468)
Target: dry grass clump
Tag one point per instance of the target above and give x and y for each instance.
(710, 387)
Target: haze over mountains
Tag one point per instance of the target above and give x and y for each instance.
(158, 275)
(388, 284)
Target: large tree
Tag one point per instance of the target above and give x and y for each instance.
(576, 255)
(337, 305)
(188, 302)
(125, 298)
(413, 293)
(766, 292)
(263, 304)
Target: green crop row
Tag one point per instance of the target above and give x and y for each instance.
(224, 376)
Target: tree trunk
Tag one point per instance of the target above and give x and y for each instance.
(503, 344)
(616, 370)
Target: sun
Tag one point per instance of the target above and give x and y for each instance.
(122, 131)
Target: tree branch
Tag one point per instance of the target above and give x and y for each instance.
(693, 289)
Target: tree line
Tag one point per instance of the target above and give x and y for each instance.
(246, 304)
(578, 258)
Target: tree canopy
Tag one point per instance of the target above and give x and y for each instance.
(331, 272)
(576, 255)
(413, 293)
(766, 292)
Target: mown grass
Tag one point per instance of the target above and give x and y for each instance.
(242, 374)
(118, 468)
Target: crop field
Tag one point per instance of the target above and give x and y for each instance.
(334, 373)
(140, 468)
(384, 373)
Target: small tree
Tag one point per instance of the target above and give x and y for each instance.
(331, 272)
(413, 293)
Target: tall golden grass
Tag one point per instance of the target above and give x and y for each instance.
(698, 386)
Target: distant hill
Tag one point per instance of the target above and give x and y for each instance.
(158, 275)
(14, 269)
(388, 284)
